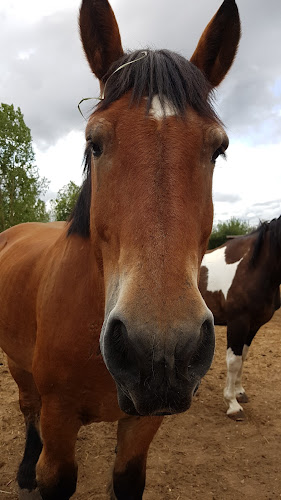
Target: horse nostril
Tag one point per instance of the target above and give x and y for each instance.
(120, 352)
(194, 354)
(202, 357)
(119, 336)
(207, 331)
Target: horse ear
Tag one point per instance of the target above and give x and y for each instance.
(218, 44)
(100, 35)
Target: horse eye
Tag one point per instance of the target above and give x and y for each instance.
(96, 149)
(219, 152)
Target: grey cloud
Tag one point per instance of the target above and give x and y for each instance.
(49, 83)
(226, 197)
(268, 210)
(250, 97)
(252, 213)
(255, 216)
(272, 203)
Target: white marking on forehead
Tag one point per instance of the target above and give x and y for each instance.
(158, 112)
(220, 274)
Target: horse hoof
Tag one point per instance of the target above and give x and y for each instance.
(29, 495)
(242, 397)
(238, 416)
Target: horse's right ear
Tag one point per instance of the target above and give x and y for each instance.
(218, 44)
(100, 35)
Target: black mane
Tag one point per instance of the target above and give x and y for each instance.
(163, 73)
(79, 218)
(274, 229)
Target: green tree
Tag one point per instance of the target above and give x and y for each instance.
(66, 198)
(20, 184)
(232, 227)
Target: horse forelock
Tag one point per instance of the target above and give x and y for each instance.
(160, 73)
(274, 229)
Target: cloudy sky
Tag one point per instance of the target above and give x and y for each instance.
(43, 70)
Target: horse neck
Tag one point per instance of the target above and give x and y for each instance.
(271, 259)
(80, 254)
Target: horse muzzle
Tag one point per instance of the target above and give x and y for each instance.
(156, 372)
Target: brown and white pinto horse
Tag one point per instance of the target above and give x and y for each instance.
(240, 282)
(102, 318)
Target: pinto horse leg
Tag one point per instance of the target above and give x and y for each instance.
(237, 332)
(133, 439)
(240, 393)
(30, 405)
(56, 470)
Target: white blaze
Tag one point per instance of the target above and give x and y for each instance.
(220, 274)
(158, 112)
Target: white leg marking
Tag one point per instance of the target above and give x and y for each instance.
(220, 274)
(234, 365)
(239, 389)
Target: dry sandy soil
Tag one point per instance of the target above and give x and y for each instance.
(201, 454)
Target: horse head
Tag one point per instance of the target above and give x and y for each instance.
(152, 143)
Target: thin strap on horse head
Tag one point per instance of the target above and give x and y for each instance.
(143, 54)
(274, 229)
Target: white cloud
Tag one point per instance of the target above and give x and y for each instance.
(62, 162)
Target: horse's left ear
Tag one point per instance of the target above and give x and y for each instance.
(218, 44)
(100, 35)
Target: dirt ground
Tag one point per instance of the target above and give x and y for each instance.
(199, 455)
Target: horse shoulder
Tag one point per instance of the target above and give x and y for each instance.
(21, 267)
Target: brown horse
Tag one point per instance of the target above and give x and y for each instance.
(240, 282)
(102, 318)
